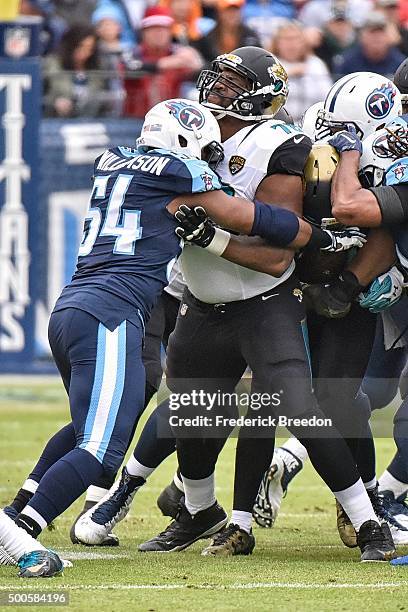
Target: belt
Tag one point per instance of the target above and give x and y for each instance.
(226, 307)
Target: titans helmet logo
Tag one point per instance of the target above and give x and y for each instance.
(380, 101)
(188, 116)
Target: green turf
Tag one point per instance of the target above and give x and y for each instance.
(299, 565)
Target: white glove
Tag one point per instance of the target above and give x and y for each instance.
(345, 239)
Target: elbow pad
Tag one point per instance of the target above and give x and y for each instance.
(394, 209)
(276, 225)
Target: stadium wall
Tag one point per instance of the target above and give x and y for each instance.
(49, 214)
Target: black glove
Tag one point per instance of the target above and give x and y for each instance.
(333, 301)
(195, 226)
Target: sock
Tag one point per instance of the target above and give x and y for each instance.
(95, 494)
(199, 494)
(135, 468)
(387, 482)
(24, 495)
(15, 540)
(242, 519)
(64, 482)
(59, 445)
(177, 480)
(296, 448)
(31, 521)
(369, 486)
(356, 504)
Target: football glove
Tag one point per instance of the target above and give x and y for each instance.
(346, 140)
(195, 227)
(345, 239)
(384, 291)
(333, 301)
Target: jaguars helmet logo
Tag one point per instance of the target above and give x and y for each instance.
(236, 163)
(380, 101)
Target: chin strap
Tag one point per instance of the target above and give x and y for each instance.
(220, 113)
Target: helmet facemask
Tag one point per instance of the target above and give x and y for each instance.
(250, 103)
(326, 126)
(397, 140)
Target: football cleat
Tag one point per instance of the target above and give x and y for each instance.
(274, 486)
(383, 508)
(169, 500)
(40, 564)
(187, 529)
(229, 542)
(397, 507)
(93, 527)
(400, 560)
(375, 542)
(110, 540)
(345, 527)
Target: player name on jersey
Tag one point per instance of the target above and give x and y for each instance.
(154, 164)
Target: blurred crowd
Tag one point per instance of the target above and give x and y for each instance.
(120, 57)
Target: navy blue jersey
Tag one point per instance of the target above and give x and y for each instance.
(129, 244)
(396, 176)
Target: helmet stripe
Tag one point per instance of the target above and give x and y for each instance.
(336, 93)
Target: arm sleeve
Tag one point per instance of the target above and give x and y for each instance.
(291, 156)
(393, 203)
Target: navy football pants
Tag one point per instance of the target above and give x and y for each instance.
(104, 377)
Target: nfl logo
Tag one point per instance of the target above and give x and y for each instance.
(17, 42)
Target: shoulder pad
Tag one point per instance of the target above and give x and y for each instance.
(319, 170)
(397, 173)
(271, 134)
(191, 175)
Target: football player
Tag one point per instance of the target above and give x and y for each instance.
(97, 325)
(347, 103)
(214, 313)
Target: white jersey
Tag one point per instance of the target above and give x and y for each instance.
(249, 155)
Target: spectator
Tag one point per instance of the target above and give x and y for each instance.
(127, 12)
(337, 36)
(189, 24)
(265, 16)
(316, 13)
(309, 79)
(403, 13)
(70, 90)
(111, 51)
(229, 33)
(399, 34)
(168, 65)
(74, 11)
(52, 27)
(374, 51)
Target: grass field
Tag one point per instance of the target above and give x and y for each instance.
(299, 565)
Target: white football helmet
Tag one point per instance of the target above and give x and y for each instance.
(308, 120)
(363, 99)
(381, 149)
(182, 126)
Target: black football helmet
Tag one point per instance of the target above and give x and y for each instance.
(265, 93)
(401, 81)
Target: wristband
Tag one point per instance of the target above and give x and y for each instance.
(318, 239)
(219, 242)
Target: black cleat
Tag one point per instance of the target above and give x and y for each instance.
(187, 529)
(169, 500)
(375, 542)
(229, 542)
(40, 564)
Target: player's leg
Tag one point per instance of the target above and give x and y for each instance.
(156, 441)
(202, 354)
(297, 401)
(106, 397)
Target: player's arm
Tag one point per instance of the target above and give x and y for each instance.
(377, 256)
(354, 205)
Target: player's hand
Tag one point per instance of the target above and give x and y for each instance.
(345, 239)
(333, 301)
(346, 140)
(384, 291)
(195, 226)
